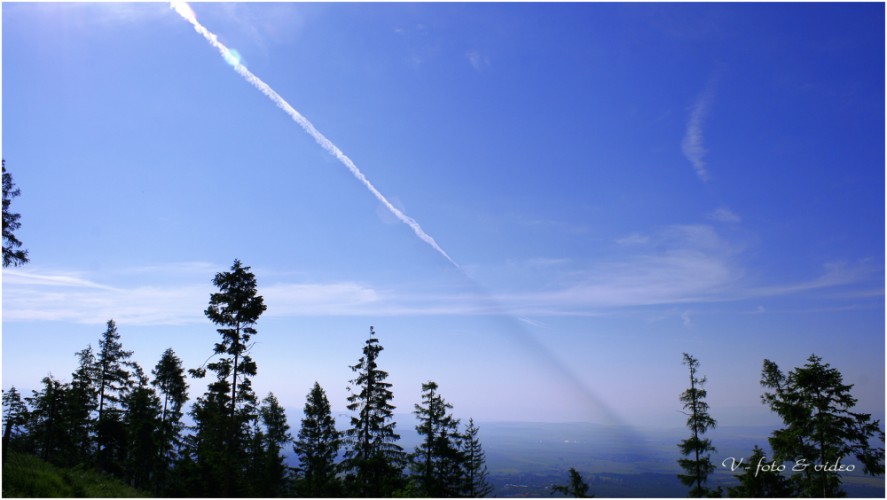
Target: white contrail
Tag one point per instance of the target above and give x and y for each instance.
(184, 10)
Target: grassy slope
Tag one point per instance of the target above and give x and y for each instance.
(27, 476)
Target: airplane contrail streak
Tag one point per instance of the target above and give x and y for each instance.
(184, 10)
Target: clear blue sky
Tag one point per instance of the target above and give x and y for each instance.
(619, 184)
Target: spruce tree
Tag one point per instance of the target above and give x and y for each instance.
(820, 428)
(13, 255)
(373, 459)
(699, 466)
(81, 405)
(113, 382)
(474, 465)
(47, 432)
(224, 416)
(237, 308)
(142, 422)
(207, 469)
(273, 471)
(169, 379)
(316, 446)
(15, 417)
(577, 487)
(437, 461)
(760, 484)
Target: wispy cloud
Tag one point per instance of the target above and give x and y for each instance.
(692, 145)
(51, 279)
(724, 214)
(478, 60)
(676, 266)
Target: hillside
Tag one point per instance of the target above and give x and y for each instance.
(27, 476)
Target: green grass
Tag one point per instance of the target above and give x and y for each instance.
(27, 476)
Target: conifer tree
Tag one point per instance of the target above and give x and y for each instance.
(820, 428)
(46, 427)
(756, 484)
(15, 416)
(474, 465)
(317, 446)
(81, 404)
(373, 458)
(141, 421)
(223, 417)
(113, 382)
(437, 461)
(207, 469)
(273, 472)
(237, 308)
(12, 254)
(698, 467)
(577, 487)
(169, 379)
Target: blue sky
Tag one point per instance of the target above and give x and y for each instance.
(618, 183)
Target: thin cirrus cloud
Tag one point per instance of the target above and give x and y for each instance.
(676, 265)
(724, 214)
(692, 146)
(478, 60)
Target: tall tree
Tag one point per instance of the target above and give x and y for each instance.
(207, 468)
(46, 427)
(437, 461)
(577, 488)
(236, 307)
(474, 466)
(225, 415)
(698, 467)
(820, 428)
(113, 382)
(82, 404)
(13, 255)
(273, 471)
(169, 379)
(15, 416)
(141, 421)
(317, 446)
(373, 458)
(757, 484)
(113, 378)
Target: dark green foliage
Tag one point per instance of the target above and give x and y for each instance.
(820, 428)
(209, 466)
(13, 255)
(113, 382)
(26, 476)
(81, 405)
(169, 379)
(47, 434)
(373, 459)
(474, 466)
(223, 444)
(577, 487)
(317, 446)
(760, 484)
(142, 423)
(699, 465)
(236, 308)
(437, 461)
(273, 476)
(15, 417)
